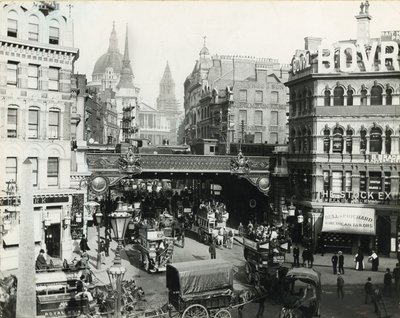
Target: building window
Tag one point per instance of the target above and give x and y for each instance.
(363, 181)
(327, 182)
(388, 182)
(258, 137)
(259, 96)
(11, 169)
(327, 98)
(258, 118)
(375, 181)
(53, 78)
(375, 142)
(350, 97)
(337, 145)
(52, 171)
(12, 117)
(12, 73)
(337, 182)
(33, 76)
(33, 28)
(349, 141)
(376, 95)
(338, 96)
(347, 184)
(34, 161)
(243, 95)
(389, 96)
(274, 118)
(243, 117)
(54, 32)
(327, 140)
(274, 97)
(363, 98)
(363, 141)
(273, 138)
(12, 24)
(54, 123)
(33, 124)
(388, 141)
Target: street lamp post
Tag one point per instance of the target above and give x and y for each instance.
(119, 222)
(98, 216)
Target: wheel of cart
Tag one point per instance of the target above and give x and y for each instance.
(195, 311)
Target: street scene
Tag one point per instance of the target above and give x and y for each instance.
(202, 159)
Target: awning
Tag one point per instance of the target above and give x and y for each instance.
(349, 220)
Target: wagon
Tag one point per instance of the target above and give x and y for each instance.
(200, 289)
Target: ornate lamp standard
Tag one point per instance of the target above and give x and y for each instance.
(98, 216)
(119, 222)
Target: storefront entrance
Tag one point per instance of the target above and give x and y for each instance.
(383, 235)
(53, 240)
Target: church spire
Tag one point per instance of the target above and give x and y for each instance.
(167, 77)
(113, 42)
(126, 79)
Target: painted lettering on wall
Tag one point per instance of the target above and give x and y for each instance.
(363, 195)
(388, 51)
(384, 159)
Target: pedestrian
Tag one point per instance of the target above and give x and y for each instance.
(376, 298)
(212, 250)
(41, 262)
(368, 290)
(296, 255)
(374, 259)
(107, 246)
(340, 285)
(310, 257)
(396, 276)
(334, 261)
(387, 283)
(359, 260)
(103, 251)
(304, 256)
(341, 262)
(83, 244)
(229, 243)
(240, 229)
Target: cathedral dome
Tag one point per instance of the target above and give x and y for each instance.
(109, 59)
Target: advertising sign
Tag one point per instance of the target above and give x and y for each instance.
(349, 220)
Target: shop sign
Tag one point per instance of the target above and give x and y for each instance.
(377, 196)
(389, 51)
(384, 158)
(390, 36)
(349, 220)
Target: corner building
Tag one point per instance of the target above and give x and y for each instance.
(36, 111)
(344, 160)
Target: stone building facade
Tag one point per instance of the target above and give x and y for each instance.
(236, 98)
(36, 111)
(344, 140)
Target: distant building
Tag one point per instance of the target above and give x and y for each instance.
(235, 99)
(344, 157)
(160, 124)
(38, 116)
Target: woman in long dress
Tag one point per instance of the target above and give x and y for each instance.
(359, 259)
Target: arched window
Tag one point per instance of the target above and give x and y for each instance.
(350, 97)
(54, 32)
(12, 24)
(363, 141)
(327, 98)
(363, 98)
(389, 96)
(33, 28)
(337, 140)
(293, 102)
(388, 141)
(338, 99)
(349, 140)
(375, 140)
(327, 140)
(376, 95)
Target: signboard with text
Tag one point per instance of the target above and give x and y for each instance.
(349, 220)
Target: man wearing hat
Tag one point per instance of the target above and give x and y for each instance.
(340, 263)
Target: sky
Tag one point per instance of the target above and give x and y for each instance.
(173, 31)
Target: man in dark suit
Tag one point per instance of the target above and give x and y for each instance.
(334, 261)
(41, 261)
(341, 263)
(296, 254)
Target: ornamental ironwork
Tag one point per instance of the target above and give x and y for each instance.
(240, 164)
(130, 163)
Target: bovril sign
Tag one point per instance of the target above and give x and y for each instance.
(388, 57)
